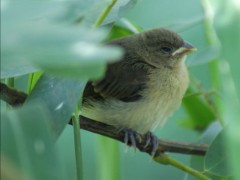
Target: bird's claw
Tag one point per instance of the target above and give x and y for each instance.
(152, 140)
(131, 138)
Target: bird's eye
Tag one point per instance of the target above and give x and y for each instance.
(166, 49)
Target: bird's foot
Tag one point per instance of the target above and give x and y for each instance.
(131, 137)
(152, 140)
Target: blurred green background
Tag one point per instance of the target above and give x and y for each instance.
(213, 95)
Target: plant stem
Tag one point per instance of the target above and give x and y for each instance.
(104, 14)
(212, 39)
(167, 160)
(77, 144)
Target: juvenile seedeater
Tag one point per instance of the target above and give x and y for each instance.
(140, 91)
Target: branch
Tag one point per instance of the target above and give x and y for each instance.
(15, 98)
(164, 145)
(12, 96)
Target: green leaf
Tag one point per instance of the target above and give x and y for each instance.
(32, 80)
(216, 159)
(228, 27)
(200, 115)
(118, 32)
(197, 162)
(18, 23)
(81, 12)
(27, 145)
(32, 39)
(60, 96)
(119, 9)
(87, 12)
(82, 60)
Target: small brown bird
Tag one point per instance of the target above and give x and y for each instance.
(140, 91)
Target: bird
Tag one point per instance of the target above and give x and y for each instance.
(140, 91)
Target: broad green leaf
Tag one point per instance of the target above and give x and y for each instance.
(200, 114)
(163, 13)
(81, 59)
(60, 96)
(216, 159)
(27, 145)
(87, 12)
(17, 24)
(81, 12)
(32, 39)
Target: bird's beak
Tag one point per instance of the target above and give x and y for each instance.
(185, 49)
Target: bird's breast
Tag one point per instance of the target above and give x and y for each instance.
(164, 93)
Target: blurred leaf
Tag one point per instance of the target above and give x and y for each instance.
(197, 162)
(81, 12)
(228, 27)
(16, 69)
(227, 24)
(87, 12)
(82, 60)
(33, 40)
(129, 25)
(153, 14)
(17, 20)
(27, 145)
(198, 111)
(119, 10)
(216, 159)
(211, 132)
(60, 96)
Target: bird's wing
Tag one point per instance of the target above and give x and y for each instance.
(123, 80)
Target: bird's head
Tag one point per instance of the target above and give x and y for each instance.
(163, 47)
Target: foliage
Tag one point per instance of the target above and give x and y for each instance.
(51, 48)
